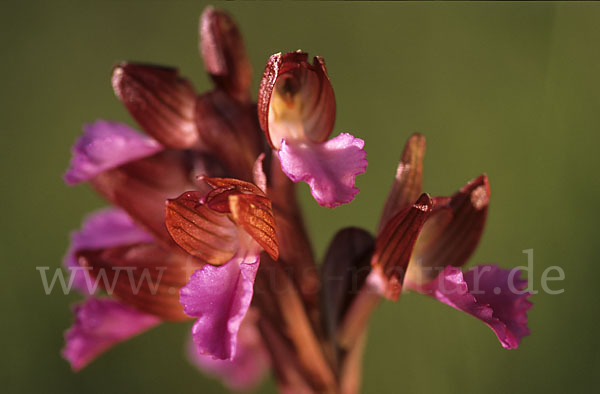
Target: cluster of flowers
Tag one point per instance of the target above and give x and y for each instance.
(205, 208)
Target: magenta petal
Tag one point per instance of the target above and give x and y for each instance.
(102, 229)
(105, 145)
(220, 296)
(246, 369)
(493, 295)
(99, 324)
(329, 168)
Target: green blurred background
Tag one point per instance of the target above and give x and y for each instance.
(509, 89)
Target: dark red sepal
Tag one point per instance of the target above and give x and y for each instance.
(394, 246)
(159, 100)
(452, 232)
(224, 54)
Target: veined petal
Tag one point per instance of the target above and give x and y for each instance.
(102, 229)
(220, 297)
(409, 179)
(145, 276)
(224, 54)
(222, 184)
(329, 168)
(246, 369)
(206, 225)
(254, 214)
(199, 229)
(395, 245)
(493, 295)
(159, 100)
(452, 232)
(295, 99)
(105, 145)
(101, 323)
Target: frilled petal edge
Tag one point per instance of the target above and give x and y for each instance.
(494, 295)
(219, 296)
(105, 228)
(105, 145)
(99, 324)
(329, 168)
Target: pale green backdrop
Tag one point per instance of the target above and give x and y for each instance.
(509, 89)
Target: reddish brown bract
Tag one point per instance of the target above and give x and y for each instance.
(159, 100)
(224, 53)
(395, 245)
(409, 179)
(452, 232)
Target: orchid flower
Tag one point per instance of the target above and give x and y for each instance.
(206, 226)
(296, 109)
(422, 242)
(227, 228)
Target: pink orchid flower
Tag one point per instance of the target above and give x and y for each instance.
(200, 231)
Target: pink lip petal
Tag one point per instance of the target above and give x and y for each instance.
(329, 168)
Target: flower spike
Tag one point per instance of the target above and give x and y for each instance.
(296, 110)
(195, 212)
